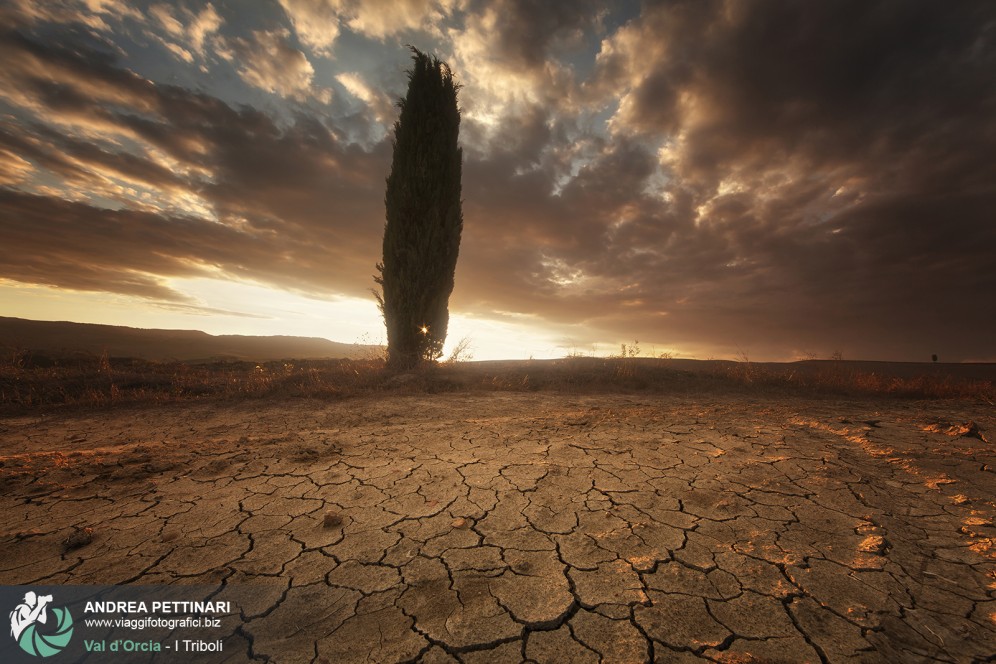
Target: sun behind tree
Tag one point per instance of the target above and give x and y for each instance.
(424, 216)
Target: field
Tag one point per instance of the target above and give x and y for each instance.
(579, 510)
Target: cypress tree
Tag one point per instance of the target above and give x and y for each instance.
(424, 216)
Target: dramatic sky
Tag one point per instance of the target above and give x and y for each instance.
(779, 178)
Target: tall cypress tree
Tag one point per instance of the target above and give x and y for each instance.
(424, 216)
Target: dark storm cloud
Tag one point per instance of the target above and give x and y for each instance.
(67, 244)
(781, 176)
(856, 84)
(526, 31)
(869, 119)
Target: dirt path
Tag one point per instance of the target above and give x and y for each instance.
(509, 526)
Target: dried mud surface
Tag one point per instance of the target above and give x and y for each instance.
(539, 527)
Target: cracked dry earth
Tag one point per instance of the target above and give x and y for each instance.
(531, 527)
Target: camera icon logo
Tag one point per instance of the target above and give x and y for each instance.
(30, 626)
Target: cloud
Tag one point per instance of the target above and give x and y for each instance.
(166, 20)
(513, 56)
(187, 32)
(384, 18)
(381, 105)
(204, 24)
(525, 33)
(39, 77)
(99, 15)
(270, 62)
(14, 168)
(316, 22)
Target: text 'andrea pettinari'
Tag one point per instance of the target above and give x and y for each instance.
(160, 607)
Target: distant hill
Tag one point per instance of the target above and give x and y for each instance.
(64, 338)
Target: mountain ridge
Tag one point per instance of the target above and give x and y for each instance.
(66, 337)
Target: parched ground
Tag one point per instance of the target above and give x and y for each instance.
(508, 527)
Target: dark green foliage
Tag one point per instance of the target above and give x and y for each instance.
(424, 217)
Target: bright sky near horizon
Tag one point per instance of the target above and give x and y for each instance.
(709, 178)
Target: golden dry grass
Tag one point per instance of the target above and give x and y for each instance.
(29, 382)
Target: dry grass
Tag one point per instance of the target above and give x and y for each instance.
(589, 374)
(838, 378)
(29, 382)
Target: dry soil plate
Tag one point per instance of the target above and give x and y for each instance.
(544, 527)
